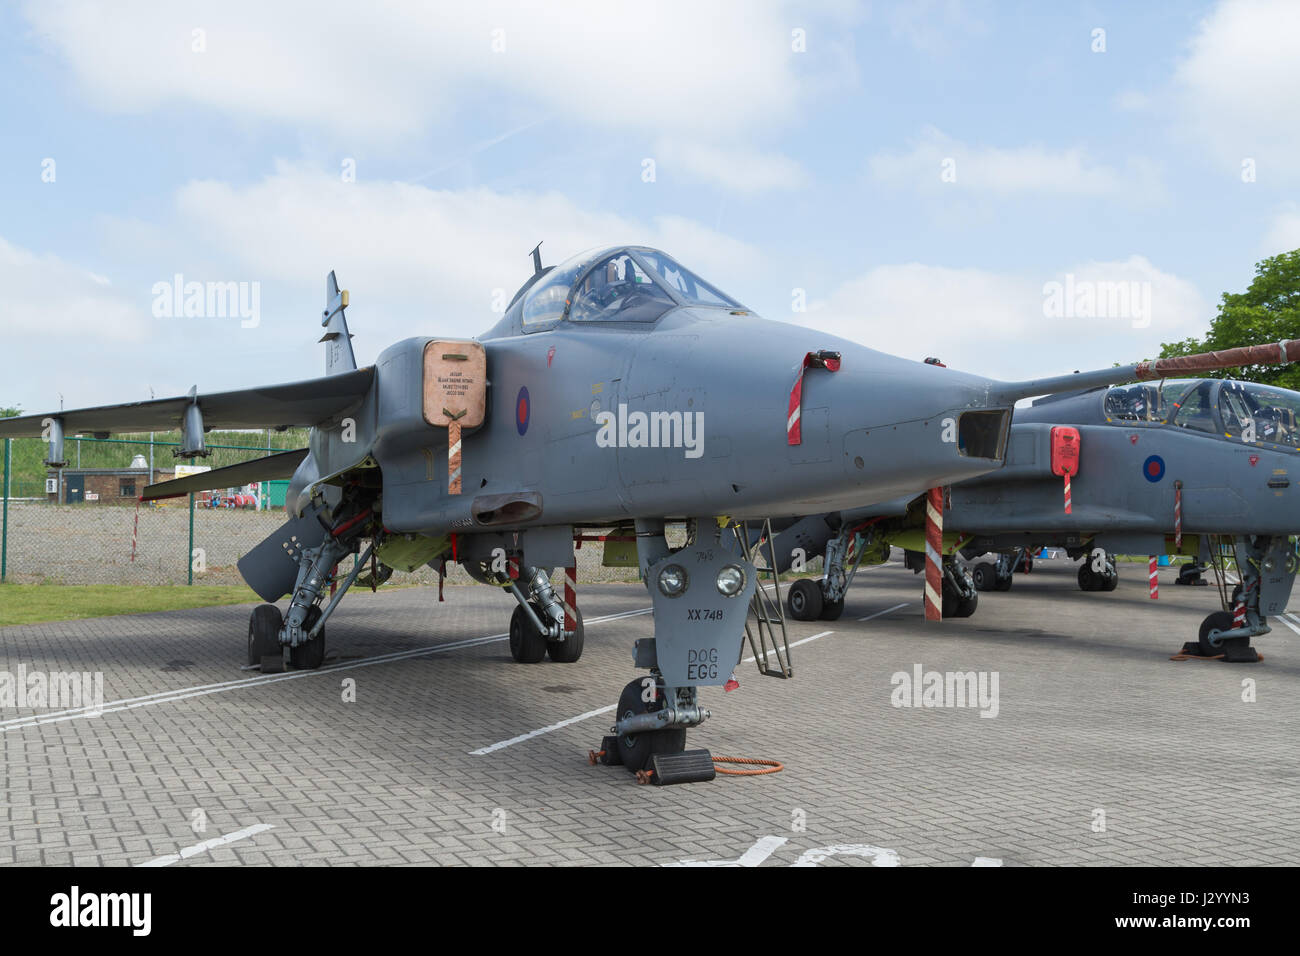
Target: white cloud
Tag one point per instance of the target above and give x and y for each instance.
(1134, 101)
(995, 323)
(1240, 84)
(416, 259)
(49, 300)
(1284, 233)
(739, 169)
(388, 69)
(1003, 171)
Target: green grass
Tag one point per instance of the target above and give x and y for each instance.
(39, 603)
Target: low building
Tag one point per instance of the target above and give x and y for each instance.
(102, 485)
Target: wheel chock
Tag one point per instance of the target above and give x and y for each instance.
(1240, 653)
(688, 766)
(610, 757)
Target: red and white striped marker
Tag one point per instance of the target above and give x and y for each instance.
(135, 532)
(1239, 613)
(793, 428)
(512, 567)
(1178, 514)
(934, 554)
(1068, 509)
(571, 598)
(453, 458)
(1154, 576)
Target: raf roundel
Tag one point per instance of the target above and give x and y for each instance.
(522, 411)
(1153, 469)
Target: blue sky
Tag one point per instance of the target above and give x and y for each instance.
(784, 174)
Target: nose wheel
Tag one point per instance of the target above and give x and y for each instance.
(636, 750)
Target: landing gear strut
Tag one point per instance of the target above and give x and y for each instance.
(701, 595)
(959, 595)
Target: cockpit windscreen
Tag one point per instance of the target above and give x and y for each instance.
(1259, 413)
(685, 282)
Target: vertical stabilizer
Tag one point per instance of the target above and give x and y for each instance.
(337, 338)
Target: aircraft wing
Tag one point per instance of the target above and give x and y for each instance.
(272, 406)
(232, 476)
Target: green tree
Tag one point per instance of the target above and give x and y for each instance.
(1268, 311)
(9, 412)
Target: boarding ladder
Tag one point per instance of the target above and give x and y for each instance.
(766, 614)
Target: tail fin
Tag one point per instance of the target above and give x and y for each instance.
(338, 348)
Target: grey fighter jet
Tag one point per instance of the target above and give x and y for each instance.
(619, 389)
(1197, 467)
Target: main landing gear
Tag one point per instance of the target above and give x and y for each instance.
(997, 575)
(1267, 566)
(301, 629)
(1098, 572)
(960, 598)
(541, 624)
(812, 600)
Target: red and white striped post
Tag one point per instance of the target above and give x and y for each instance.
(571, 598)
(934, 555)
(1068, 508)
(1154, 577)
(135, 532)
(1239, 612)
(1178, 515)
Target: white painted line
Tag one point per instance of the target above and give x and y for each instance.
(500, 745)
(1283, 619)
(543, 730)
(750, 660)
(206, 845)
(203, 690)
(888, 610)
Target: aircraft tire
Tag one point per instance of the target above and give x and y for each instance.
(831, 610)
(1111, 580)
(527, 646)
(1218, 621)
(985, 575)
(1087, 576)
(1004, 584)
(264, 633)
(636, 750)
(569, 650)
(966, 606)
(804, 602)
(309, 656)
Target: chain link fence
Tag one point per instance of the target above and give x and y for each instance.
(55, 530)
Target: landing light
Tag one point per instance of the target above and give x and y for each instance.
(673, 580)
(731, 580)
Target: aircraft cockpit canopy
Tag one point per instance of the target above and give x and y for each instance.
(1271, 412)
(1245, 411)
(1145, 401)
(632, 284)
